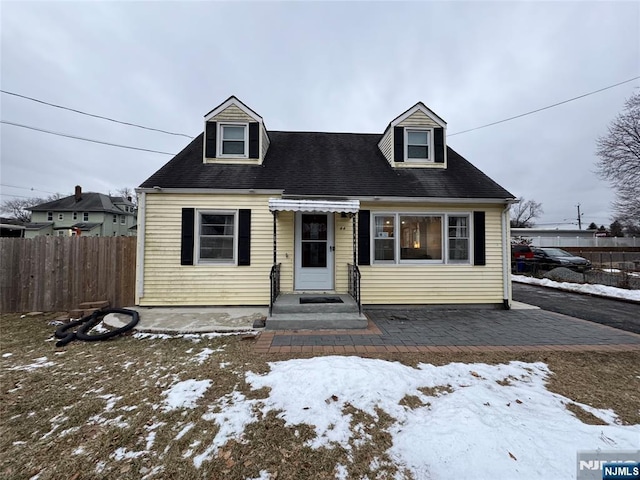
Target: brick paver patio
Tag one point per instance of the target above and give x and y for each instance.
(429, 330)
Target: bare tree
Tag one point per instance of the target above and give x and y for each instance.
(524, 213)
(128, 192)
(17, 207)
(619, 162)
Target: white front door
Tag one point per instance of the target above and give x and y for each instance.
(314, 251)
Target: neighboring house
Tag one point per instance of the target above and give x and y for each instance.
(85, 214)
(10, 227)
(423, 225)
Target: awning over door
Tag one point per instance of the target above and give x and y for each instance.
(331, 206)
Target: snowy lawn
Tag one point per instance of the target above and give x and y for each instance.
(602, 290)
(206, 406)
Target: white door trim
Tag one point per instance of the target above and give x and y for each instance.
(314, 278)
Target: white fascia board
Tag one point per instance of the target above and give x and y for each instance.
(424, 109)
(496, 201)
(225, 191)
(237, 103)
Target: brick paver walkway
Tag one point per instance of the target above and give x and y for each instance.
(428, 330)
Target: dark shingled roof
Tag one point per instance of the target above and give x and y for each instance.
(327, 164)
(89, 202)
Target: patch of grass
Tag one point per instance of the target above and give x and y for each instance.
(584, 416)
(436, 391)
(411, 401)
(69, 419)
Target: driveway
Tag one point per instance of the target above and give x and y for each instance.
(614, 313)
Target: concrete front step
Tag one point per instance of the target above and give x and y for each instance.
(290, 304)
(316, 321)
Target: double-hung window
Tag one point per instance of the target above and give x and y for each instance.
(216, 237)
(384, 238)
(85, 216)
(122, 220)
(115, 218)
(234, 140)
(417, 145)
(49, 216)
(458, 238)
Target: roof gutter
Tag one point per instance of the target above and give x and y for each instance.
(384, 199)
(211, 191)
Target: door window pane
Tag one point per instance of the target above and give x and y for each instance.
(314, 254)
(314, 227)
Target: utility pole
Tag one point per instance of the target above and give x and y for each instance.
(579, 218)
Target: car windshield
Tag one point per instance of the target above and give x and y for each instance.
(556, 252)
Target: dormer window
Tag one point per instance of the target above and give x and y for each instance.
(417, 145)
(234, 140)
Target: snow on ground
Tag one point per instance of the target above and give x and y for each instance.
(602, 290)
(616, 270)
(185, 394)
(194, 337)
(514, 429)
(37, 363)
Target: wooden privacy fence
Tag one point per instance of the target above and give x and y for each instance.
(59, 273)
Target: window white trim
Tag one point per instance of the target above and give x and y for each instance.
(469, 237)
(220, 139)
(85, 216)
(444, 236)
(429, 145)
(197, 226)
(49, 216)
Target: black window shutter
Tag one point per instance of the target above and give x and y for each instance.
(254, 140)
(244, 237)
(186, 245)
(439, 145)
(210, 140)
(479, 242)
(398, 144)
(364, 237)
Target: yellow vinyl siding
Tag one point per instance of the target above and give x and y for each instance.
(264, 143)
(166, 282)
(233, 114)
(437, 283)
(343, 251)
(285, 249)
(386, 145)
(418, 119)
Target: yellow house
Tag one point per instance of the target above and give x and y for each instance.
(244, 215)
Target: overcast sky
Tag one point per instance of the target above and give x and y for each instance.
(334, 67)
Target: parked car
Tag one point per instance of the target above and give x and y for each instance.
(547, 258)
(522, 258)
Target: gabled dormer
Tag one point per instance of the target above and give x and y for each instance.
(416, 138)
(233, 133)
